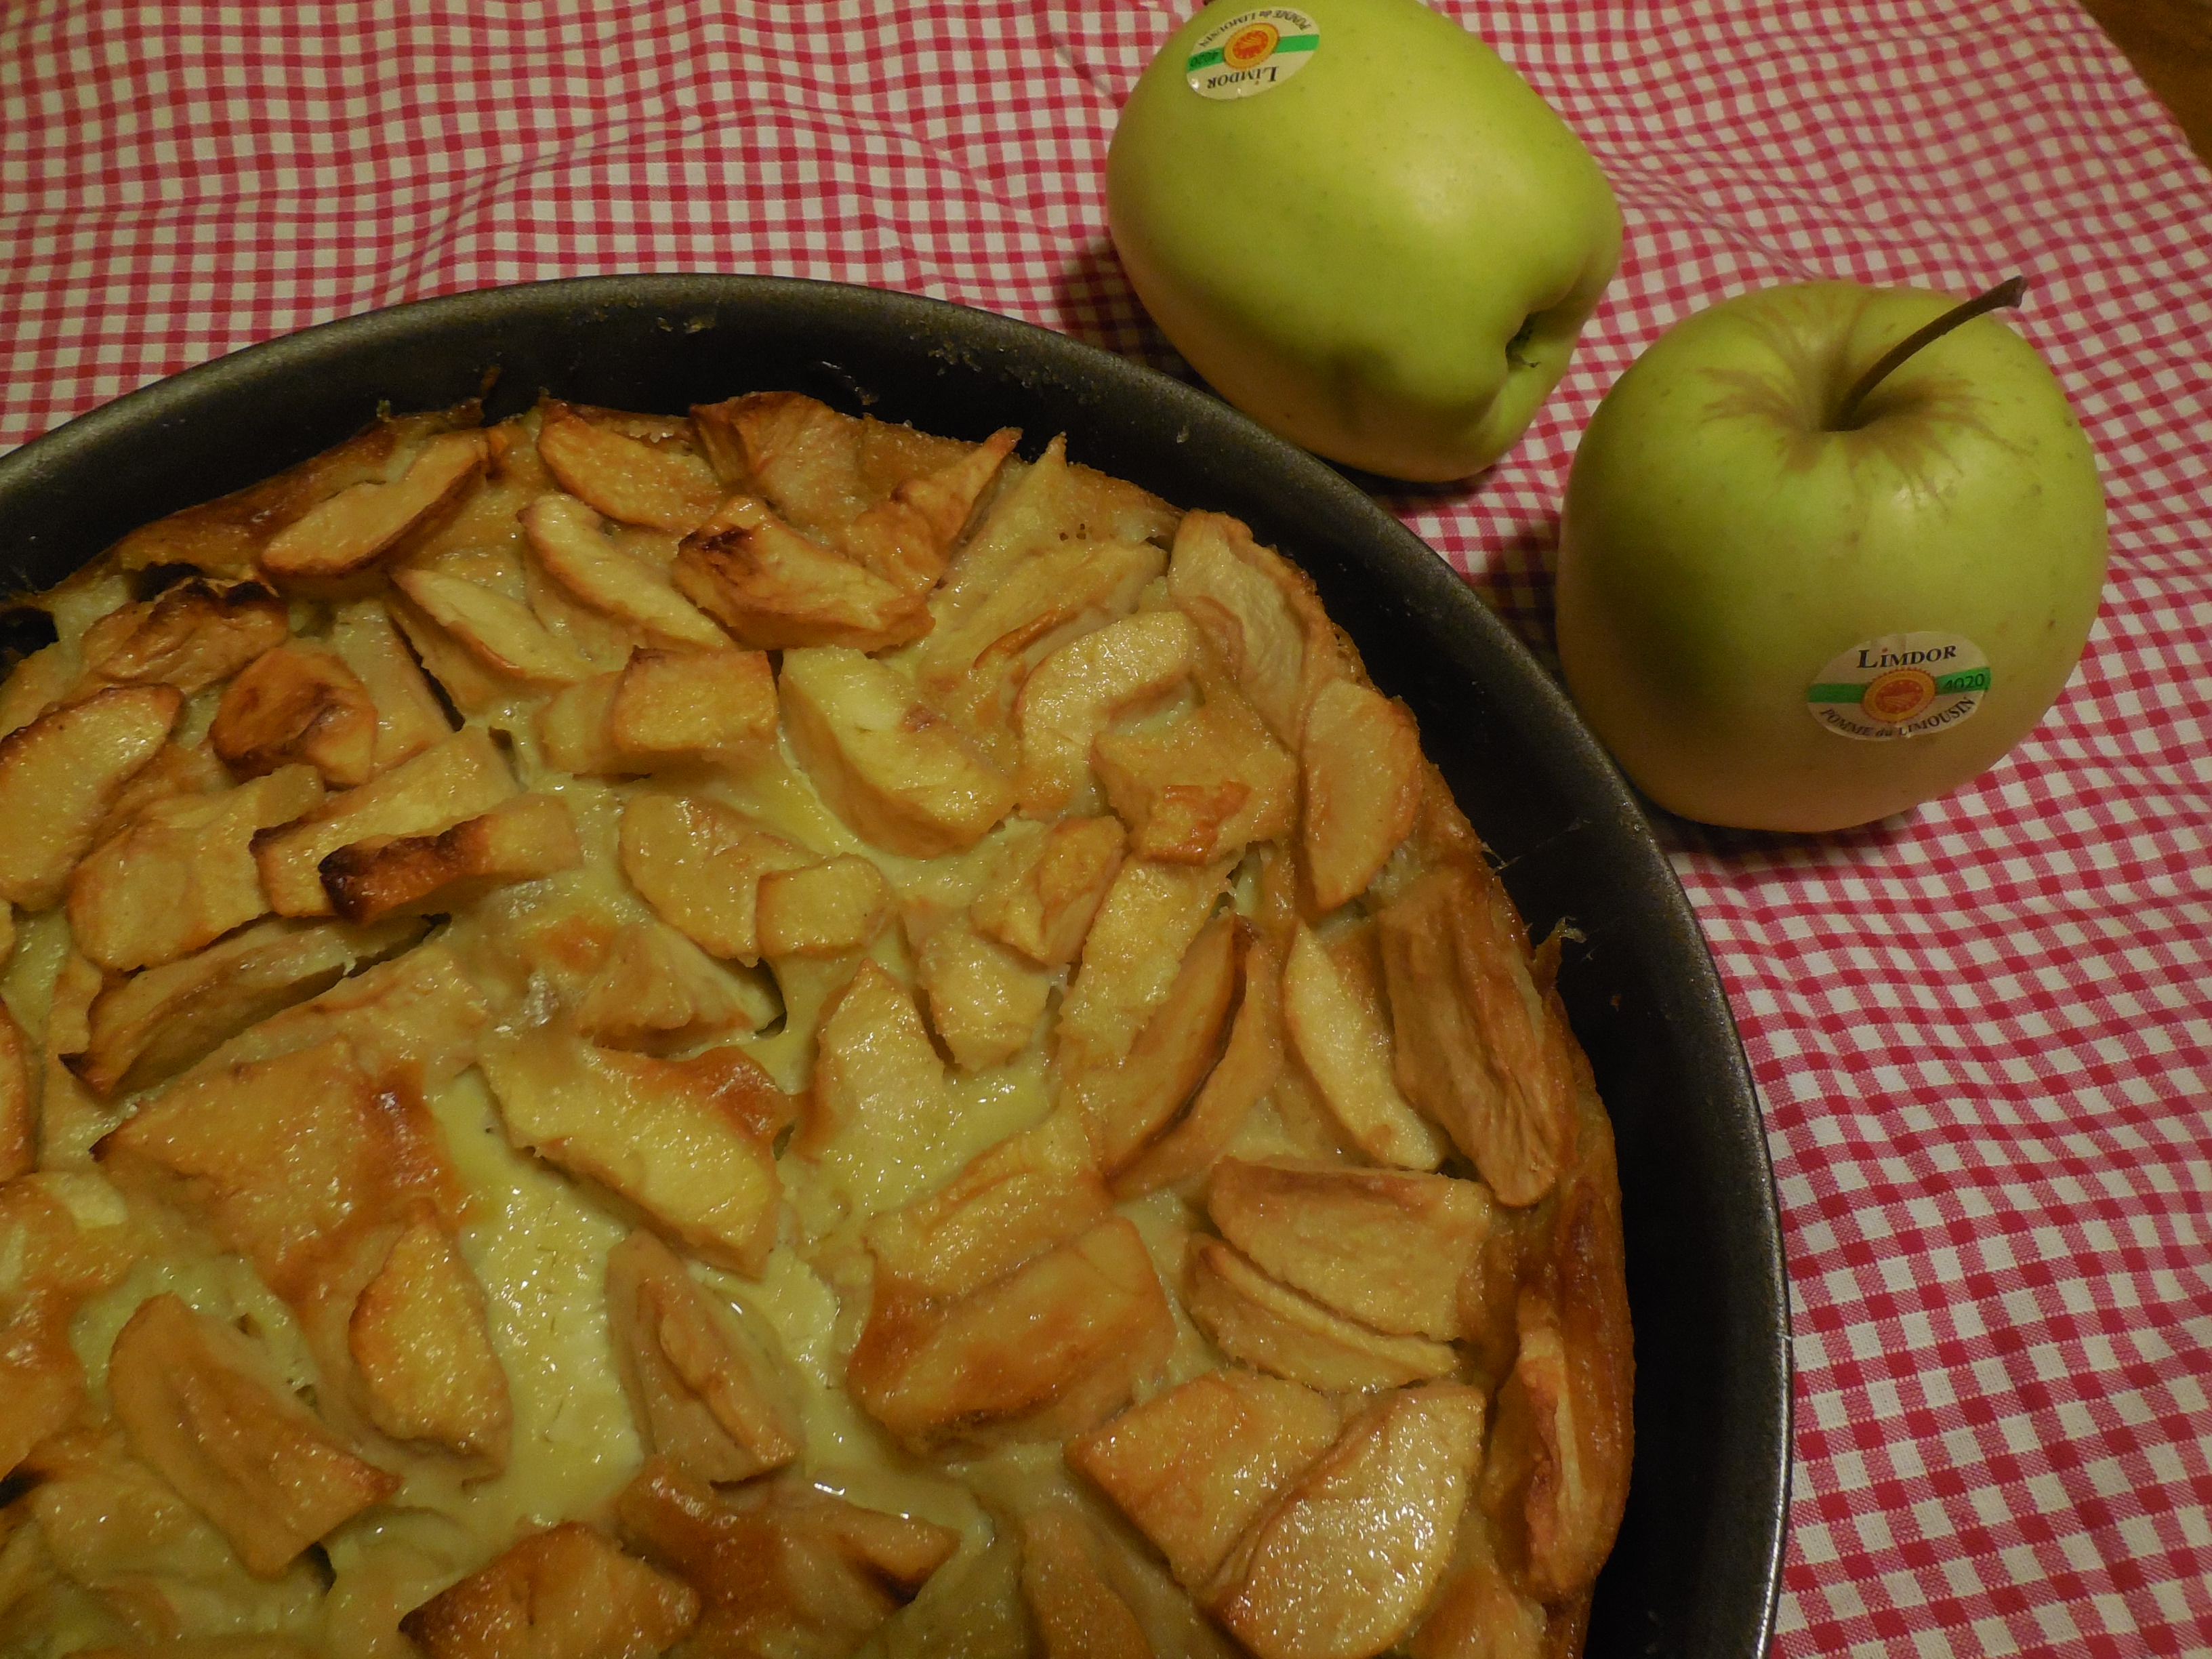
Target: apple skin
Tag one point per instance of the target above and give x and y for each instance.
(1347, 256)
(1719, 548)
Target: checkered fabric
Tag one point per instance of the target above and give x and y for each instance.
(1980, 1029)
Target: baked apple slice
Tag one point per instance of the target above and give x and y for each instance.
(900, 774)
(1265, 1322)
(192, 635)
(1075, 695)
(574, 549)
(60, 775)
(625, 477)
(1341, 1037)
(565, 1593)
(1195, 1467)
(1387, 1247)
(687, 1141)
(298, 704)
(1042, 898)
(203, 1406)
(781, 1570)
(418, 1338)
(706, 1389)
(1361, 762)
(1043, 1353)
(1476, 1049)
(346, 534)
(1343, 1565)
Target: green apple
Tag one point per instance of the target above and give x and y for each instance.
(1785, 606)
(1361, 227)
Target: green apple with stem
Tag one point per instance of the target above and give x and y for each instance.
(1828, 551)
(1361, 227)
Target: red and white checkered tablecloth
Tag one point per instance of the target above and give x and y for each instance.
(1982, 1031)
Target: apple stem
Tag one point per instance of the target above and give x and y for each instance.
(2006, 293)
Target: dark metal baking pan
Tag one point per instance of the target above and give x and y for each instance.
(1699, 1562)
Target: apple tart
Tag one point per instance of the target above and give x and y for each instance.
(756, 1033)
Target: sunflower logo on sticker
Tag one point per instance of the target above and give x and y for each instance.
(1900, 694)
(1250, 45)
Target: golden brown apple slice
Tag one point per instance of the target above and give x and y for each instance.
(800, 454)
(782, 1569)
(905, 538)
(417, 1014)
(566, 537)
(156, 1024)
(657, 991)
(1361, 762)
(900, 775)
(1388, 1247)
(525, 839)
(706, 1391)
(774, 590)
(571, 729)
(1266, 1323)
(624, 477)
(37, 684)
(973, 665)
(192, 635)
(224, 535)
(417, 1335)
(501, 632)
(663, 705)
(1040, 1355)
(1135, 947)
(689, 705)
(346, 533)
(61, 773)
(200, 1406)
(1043, 505)
(183, 874)
(566, 1593)
(1078, 1614)
(687, 1141)
(1261, 612)
(699, 864)
(289, 1155)
(984, 1001)
(1342, 1038)
(408, 717)
(1476, 1050)
(1128, 1104)
(1557, 1477)
(824, 909)
(177, 769)
(458, 778)
(1042, 896)
(299, 702)
(1076, 694)
(878, 1085)
(1478, 1613)
(1343, 1565)
(18, 1126)
(1248, 1069)
(1026, 1195)
(56, 1259)
(1204, 787)
(1196, 1465)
